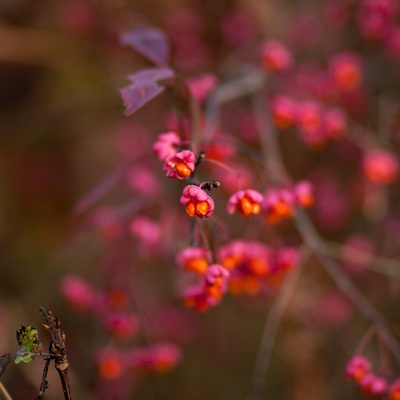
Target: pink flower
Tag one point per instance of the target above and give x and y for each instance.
(197, 202)
(143, 180)
(77, 292)
(278, 204)
(346, 70)
(304, 193)
(122, 326)
(375, 17)
(180, 165)
(357, 368)
(146, 229)
(161, 357)
(283, 111)
(380, 166)
(215, 280)
(335, 123)
(245, 201)
(110, 363)
(310, 122)
(166, 145)
(275, 56)
(373, 385)
(215, 275)
(392, 43)
(201, 86)
(194, 259)
(196, 297)
(394, 390)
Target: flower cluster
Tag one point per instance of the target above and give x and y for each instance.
(209, 291)
(359, 370)
(110, 308)
(158, 358)
(252, 264)
(316, 123)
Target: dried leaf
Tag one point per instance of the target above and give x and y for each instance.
(144, 88)
(4, 360)
(151, 43)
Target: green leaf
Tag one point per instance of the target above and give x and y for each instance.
(24, 355)
(28, 338)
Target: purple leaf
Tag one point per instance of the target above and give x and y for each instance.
(144, 88)
(151, 43)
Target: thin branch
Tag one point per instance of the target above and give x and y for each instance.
(271, 328)
(4, 392)
(314, 241)
(382, 265)
(44, 384)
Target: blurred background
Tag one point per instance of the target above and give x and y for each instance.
(66, 158)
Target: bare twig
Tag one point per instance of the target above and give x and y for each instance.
(271, 328)
(44, 385)
(58, 350)
(4, 392)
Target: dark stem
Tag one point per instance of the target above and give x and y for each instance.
(58, 350)
(44, 385)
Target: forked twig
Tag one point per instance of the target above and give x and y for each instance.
(57, 352)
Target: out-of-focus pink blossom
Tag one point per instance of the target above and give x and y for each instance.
(105, 221)
(121, 325)
(197, 201)
(146, 229)
(380, 166)
(160, 358)
(335, 123)
(143, 181)
(284, 111)
(357, 368)
(194, 259)
(346, 69)
(166, 145)
(247, 202)
(392, 43)
(110, 363)
(310, 122)
(201, 86)
(197, 298)
(275, 56)
(375, 17)
(394, 390)
(304, 193)
(373, 385)
(237, 27)
(78, 293)
(334, 309)
(180, 165)
(278, 204)
(332, 206)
